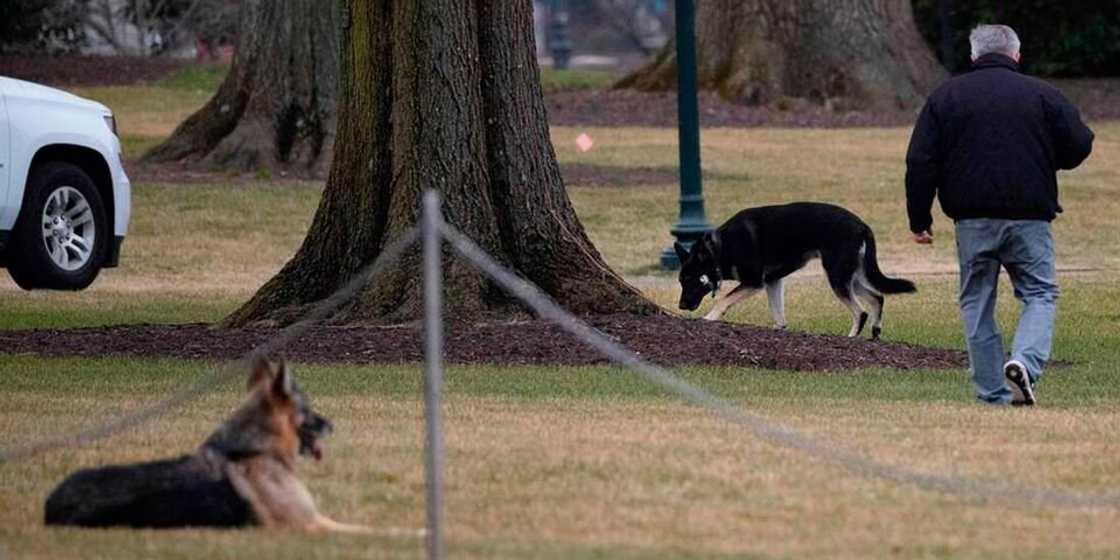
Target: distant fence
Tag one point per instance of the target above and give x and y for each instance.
(434, 232)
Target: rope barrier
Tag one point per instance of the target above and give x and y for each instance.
(773, 431)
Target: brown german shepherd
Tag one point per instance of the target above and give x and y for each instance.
(243, 474)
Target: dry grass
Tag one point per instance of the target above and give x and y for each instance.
(611, 476)
(215, 236)
(193, 253)
(146, 114)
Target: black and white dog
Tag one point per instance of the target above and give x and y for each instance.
(758, 247)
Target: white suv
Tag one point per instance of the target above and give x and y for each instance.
(64, 197)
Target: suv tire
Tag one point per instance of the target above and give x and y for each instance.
(61, 237)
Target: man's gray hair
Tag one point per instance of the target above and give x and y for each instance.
(987, 39)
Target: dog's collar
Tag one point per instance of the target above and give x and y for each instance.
(214, 460)
(712, 241)
(216, 453)
(712, 283)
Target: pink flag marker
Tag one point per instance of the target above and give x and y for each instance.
(584, 142)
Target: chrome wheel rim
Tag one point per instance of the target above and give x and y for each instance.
(68, 228)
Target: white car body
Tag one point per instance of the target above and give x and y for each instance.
(38, 122)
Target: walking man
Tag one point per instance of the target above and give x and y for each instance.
(988, 145)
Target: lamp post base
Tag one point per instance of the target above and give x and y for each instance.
(686, 235)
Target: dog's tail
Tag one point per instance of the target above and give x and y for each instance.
(878, 280)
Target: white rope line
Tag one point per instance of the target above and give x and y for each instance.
(229, 370)
(771, 430)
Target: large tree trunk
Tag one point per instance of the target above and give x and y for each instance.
(276, 108)
(442, 94)
(846, 53)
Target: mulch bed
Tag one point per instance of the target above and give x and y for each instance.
(663, 340)
(88, 70)
(1096, 98)
(613, 108)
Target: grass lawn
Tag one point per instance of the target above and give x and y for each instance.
(592, 462)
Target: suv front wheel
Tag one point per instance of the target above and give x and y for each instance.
(61, 237)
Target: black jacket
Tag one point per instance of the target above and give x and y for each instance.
(988, 144)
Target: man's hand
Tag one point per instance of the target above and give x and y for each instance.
(923, 237)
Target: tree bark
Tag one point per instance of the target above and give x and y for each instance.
(445, 95)
(850, 54)
(277, 107)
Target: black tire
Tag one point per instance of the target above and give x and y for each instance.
(29, 260)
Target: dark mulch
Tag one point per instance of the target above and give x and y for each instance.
(184, 173)
(88, 70)
(1096, 98)
(609, 108)
(663, 340)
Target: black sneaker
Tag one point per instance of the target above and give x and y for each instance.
(1022, 390)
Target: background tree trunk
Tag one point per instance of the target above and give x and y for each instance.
(846, 53)
(464, 115)
(277, 107)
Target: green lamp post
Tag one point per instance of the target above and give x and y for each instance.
(692, 223)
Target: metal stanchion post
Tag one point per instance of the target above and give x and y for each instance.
(433, 358)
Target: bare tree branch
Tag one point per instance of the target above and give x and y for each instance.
(103, 22)
(626, 17)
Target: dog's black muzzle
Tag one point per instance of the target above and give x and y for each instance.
(311, 430)
(691, 297)
(689, 302)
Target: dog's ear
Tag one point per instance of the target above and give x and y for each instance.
(682, 254)
(711, 242)
(260, 373)
(283, 386)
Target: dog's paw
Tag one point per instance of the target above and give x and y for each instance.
(875, 333)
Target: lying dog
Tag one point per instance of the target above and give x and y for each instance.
(758, 247)
(243, 474)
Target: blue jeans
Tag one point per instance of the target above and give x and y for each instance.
(1026, 249)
